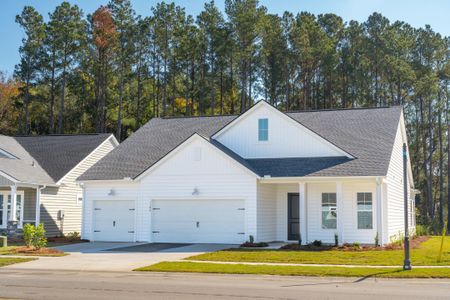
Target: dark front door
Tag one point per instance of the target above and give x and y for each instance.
(293, 217)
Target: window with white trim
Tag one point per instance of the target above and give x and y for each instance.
(365, 210)
(263, 129)
(329, 211)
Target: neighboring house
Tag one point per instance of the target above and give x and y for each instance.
(37, 178)
(271, 175)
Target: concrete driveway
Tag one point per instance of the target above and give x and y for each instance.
(117, 257)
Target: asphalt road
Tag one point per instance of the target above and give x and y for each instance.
(27, 284)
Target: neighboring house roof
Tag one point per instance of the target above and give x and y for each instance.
(367, 134)
(45, 159)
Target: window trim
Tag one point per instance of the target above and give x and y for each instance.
(321, 211)
(357, 210)
(5, 194)
(263, 130)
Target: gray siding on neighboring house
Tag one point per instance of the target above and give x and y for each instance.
(65, 197)
(29, 209)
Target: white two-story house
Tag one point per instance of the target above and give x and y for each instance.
(272, 175)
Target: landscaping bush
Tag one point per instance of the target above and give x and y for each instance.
(73, 236)
(34, 236)
(317, 243)
(254, 245)
(28, 234)
(422, 230)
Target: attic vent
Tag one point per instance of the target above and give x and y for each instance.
(197, 153)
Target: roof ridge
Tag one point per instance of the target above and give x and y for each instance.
(65, 134)
(343, 109)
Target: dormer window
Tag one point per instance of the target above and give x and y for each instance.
(263, 129)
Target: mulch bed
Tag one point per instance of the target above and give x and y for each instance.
(34, 251)
(414, 243)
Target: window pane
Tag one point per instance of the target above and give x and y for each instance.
(364, 206)
(263, 129)
(365, 220)
(329, 213)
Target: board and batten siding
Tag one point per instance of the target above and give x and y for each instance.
(287, 138)
(395, 199)
(64, 197)
(197, 165)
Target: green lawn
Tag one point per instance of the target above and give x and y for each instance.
(12, 260)
(295, 271)
(425, 255)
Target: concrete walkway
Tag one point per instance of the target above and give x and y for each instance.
(96, 256)
(307, 265)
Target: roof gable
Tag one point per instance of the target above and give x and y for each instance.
(177, 159)
(59, 154)
(287, 137)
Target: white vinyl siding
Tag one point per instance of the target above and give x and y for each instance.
(287, 138)
(395, 199)
(64, 197)
(267, 212)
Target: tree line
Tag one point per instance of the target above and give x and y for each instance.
(113, 70)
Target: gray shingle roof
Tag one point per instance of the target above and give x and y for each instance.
(367, 134)
(46, 159)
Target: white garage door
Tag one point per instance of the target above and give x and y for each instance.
(198, 221)
(114, 221)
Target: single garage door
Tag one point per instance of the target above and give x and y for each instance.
(114, 220)
(198, 221)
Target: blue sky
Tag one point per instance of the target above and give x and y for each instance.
(415, 12)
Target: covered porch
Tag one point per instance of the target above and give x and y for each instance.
(349, 210)
(19, 203)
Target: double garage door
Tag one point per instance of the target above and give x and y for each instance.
(175, 221)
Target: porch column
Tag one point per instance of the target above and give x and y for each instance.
(38, 207)
(302, 206)
(340, 212)
(379, 211)
(12, 215)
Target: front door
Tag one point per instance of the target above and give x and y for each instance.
(293, 217)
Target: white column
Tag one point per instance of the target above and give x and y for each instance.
(302, 206)
(380, 205)
(12, 215)
(38, 207)
(340, 213)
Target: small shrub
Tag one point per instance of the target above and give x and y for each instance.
(254, 245)
(422, 230)
(356, 245)
(317, 243)
(39, 240)
(377, 240)
(299, 239)
(73, 236)
(28, 234)
(336, 240)
(251, 239)
(34, 236)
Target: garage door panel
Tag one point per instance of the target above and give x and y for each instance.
(198, 221)
(114, 220)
